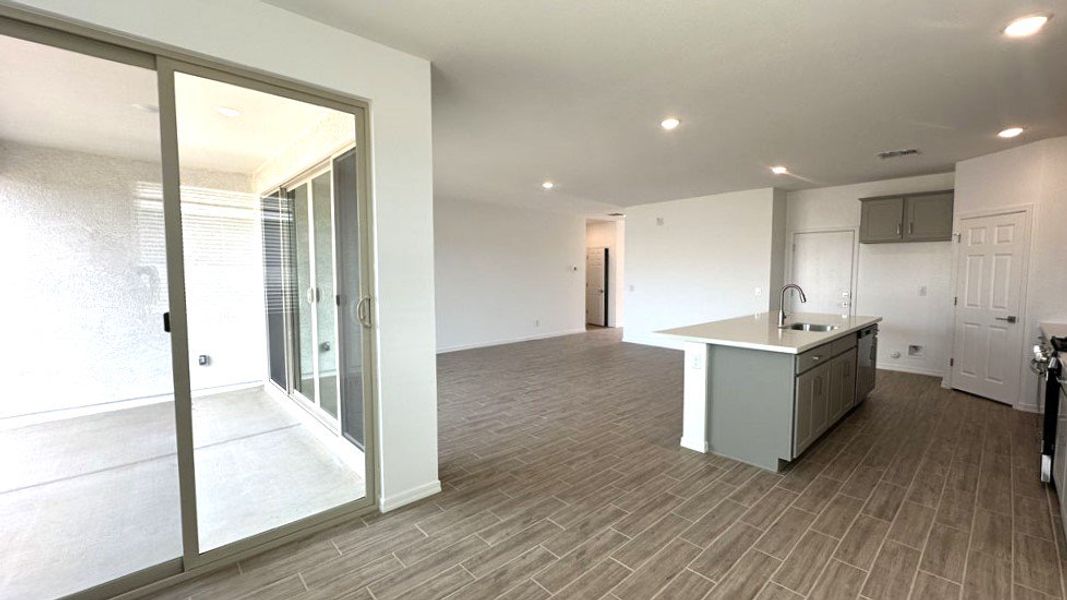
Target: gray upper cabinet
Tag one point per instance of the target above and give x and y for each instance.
(882, 220)
(928, 217)
(924, 217)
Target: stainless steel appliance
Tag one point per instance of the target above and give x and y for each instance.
(1049, 367)
(867, 361)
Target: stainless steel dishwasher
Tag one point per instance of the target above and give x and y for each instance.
(866, 362)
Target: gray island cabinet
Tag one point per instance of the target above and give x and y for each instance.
(763, 394)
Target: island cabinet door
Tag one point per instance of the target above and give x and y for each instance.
(842, 384)
(811, 409)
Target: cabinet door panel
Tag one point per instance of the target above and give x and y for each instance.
(837, 388)
(928, 218)
(802, 432)
(848, 380)
(820, 400)
(882, 220)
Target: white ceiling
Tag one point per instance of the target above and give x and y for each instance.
(574, 91)
(62, 99)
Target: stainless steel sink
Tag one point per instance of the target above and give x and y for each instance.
(811, 327)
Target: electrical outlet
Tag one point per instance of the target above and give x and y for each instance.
(203, 360)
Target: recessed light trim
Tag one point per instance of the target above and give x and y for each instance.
(227, 111)
(1010, 132)
(548, 185)
(1026, 26)
(779, 170)
(670, 123)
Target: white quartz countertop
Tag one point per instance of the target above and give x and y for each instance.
(761, 332)
(1054, 329)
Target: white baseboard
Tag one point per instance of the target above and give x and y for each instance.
(1030, 408)
(698, 445)
(539, 336)
(912, 370)
(415, 494)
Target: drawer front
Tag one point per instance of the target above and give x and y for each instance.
(843, 344)
(814, 357)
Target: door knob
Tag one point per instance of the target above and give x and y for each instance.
(1009, 318)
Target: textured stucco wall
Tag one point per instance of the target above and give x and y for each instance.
(85, 280)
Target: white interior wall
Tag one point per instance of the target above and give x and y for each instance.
(397, 85)
(506, 274)
(890, 276)
(609, 234)
(92, 280)
(696, 260)
(1032, 175)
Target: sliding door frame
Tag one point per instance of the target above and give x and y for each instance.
(314, 405)
(166, 61)
(167, 69)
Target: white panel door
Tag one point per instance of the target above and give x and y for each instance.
(987, 355)
(822, 266)
(596, 275)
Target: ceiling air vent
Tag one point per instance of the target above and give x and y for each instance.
(616, 215)
(897, 153)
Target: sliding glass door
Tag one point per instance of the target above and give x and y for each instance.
(192, 373)
(89, 487)
(264, 457)
(315, 318)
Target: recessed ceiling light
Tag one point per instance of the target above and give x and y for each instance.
(779, 170)
(669, 123)
(1026, 26)
(1010, 132)
(226, 111)
(548, 185)
(148, 108)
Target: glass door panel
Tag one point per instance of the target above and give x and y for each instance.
(305, 300)
(88, 467)
(350, 293)
(264, 456)
(277, 222)
(325, 305)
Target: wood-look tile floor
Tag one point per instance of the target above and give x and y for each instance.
(563, 478)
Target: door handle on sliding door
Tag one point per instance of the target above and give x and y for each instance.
(363, 311)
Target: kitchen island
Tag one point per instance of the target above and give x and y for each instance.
(761, 394)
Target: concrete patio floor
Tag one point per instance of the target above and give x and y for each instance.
(89, 499)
